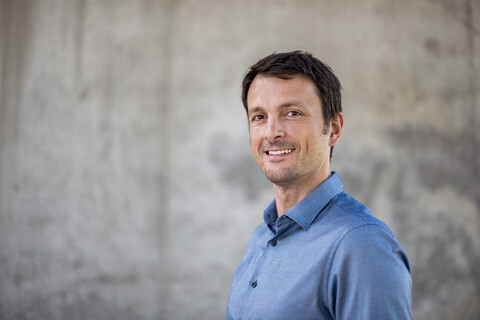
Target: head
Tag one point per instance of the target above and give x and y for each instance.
(288, 64)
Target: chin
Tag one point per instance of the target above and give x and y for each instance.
(283, 177)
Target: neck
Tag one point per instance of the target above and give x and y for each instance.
(288, 195)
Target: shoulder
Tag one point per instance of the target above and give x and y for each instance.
(371, 245)
(367, 258)
(260, 231)
(362, 234)
(345, 215)
(259, 236)
(356, 210)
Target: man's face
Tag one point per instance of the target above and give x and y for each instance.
(287, 129)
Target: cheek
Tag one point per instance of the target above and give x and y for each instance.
(254, 139)
(254, 147)
(316, 142)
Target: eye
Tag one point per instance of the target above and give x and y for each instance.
(258, 117)
(293, 113)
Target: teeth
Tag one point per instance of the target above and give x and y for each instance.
(278, 152)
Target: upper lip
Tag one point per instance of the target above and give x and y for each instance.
(277, 146)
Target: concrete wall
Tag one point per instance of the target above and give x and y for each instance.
(127, 189)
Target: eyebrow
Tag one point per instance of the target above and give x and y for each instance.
(282, 106)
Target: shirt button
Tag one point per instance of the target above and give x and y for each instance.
(254, 284)
(274, 243)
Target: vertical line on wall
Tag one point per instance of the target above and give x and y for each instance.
(165, 175)
(4, 19)
(78, 90)
(17, 30)
(475, 125)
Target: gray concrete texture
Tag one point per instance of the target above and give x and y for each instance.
(127, 188)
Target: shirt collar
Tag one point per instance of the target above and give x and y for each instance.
(309, 207)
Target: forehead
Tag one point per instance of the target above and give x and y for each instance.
(272, 90)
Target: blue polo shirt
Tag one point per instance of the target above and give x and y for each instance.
(325, 258)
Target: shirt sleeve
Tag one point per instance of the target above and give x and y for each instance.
(369, 277)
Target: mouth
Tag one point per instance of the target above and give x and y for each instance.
(279, 152)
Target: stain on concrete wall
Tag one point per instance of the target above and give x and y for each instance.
(127, 187)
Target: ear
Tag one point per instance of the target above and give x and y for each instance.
(336, 129)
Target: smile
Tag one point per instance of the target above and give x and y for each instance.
(279, 152)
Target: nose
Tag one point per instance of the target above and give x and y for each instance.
(274, 129)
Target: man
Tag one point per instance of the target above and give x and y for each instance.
(320, 253)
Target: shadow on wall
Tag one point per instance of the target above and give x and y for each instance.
(240, 171)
